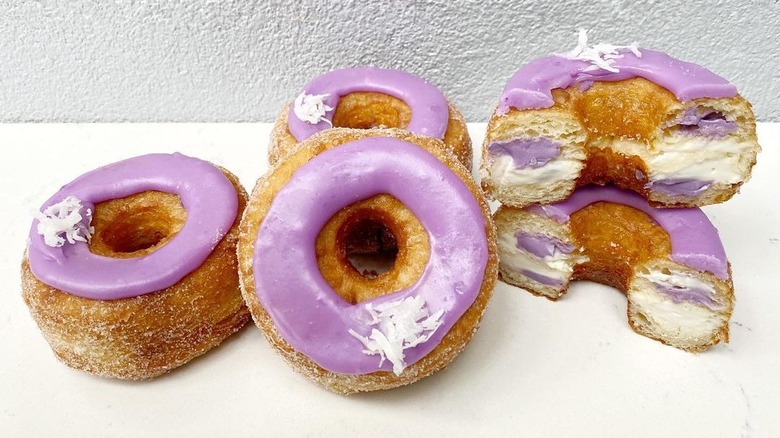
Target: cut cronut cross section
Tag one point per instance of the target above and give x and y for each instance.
(543, 249)
(631, 133)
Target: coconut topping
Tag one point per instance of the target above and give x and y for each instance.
(64, 218)
(311, 108)
(602, 56)
(399, 325)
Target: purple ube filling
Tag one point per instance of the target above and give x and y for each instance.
(710, 124)
(684, 294)
(528, 152)
(543, 279)
(541, 245)
(679, 187)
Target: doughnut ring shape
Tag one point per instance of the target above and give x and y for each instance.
(428, 104)
(365, 91)
(206, 194)
(450, 282)
(669, 262)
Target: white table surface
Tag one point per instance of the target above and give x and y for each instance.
(535, 367)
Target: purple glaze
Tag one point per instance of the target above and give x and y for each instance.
(691, 295)
(694, 239)
(679, 187)
(528, 152)
(541, 245)
(430, 112)
(206, 194)
(531, 87)
(306, 311)
(706, 123)
(543, 279)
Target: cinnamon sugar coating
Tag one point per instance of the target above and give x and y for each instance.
(148, 335)
(341, 276)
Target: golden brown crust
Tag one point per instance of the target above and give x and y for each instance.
(259, 203)
(136, 225)
(616, 238)
(368, 110)
(412, 244)
(149, 335)
(632, 108)
(620, 127)
(603, 166)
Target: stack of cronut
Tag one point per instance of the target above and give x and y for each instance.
(601, 157)
(368, 163)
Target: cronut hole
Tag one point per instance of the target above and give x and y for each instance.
(366, 110)
(135, 229)
(370, 247)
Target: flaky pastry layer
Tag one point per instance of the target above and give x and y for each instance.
(631, 133)
(149, 335)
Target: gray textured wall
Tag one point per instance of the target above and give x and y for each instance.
(240, 60)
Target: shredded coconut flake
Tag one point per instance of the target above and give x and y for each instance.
(602, 56)
(311, 108)
(63, 222)
(400, 324)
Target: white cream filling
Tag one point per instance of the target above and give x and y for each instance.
(684, 319)
(685, 157)
(558, 266)
(504, 173)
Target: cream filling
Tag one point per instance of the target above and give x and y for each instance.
(685, 157)
(682, 287)
(558, 266)
(678, 320)
(504, 173)
(677, 280)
